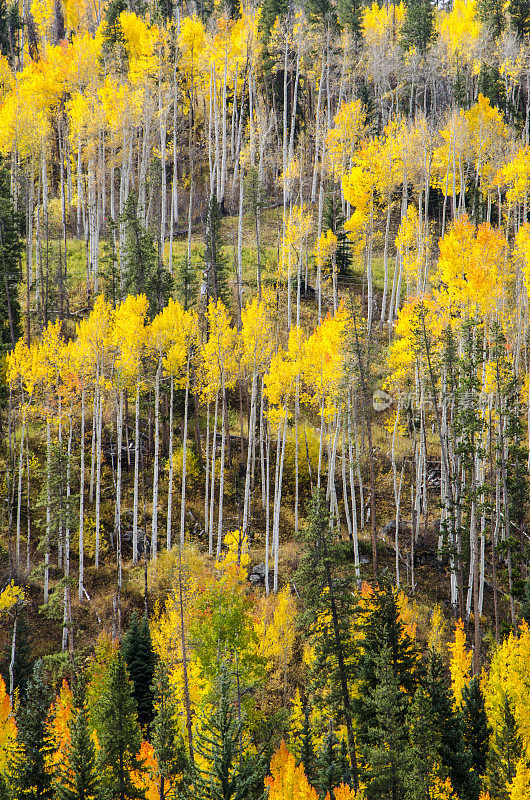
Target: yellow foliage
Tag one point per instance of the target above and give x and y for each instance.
(287, 781)
(437, 630)
(8, 728)
(520, 786)
(460, 664)
(10, 596)
(460, 29)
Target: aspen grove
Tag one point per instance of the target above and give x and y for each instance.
(264, 400)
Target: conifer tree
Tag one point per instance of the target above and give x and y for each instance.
(167, 740)
(228, 774)
(384, 736)
(29, 775)
(215, 280)
(142, 270)
(475, 731)
(519, 12)
(329, 768)
(350, 14)
(22, 662)
(78, 778)
(454, 757)
(10, 249)
(327, 595)
(307, 748)
(381, 630)
(140, 659)
(120, 735)
(418, 28)
(503, 756)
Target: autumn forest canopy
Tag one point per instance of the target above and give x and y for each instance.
(264, 400)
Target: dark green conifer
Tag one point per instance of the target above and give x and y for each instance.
(120, 737)
(475, 729)
(228, 774)
(454, 757)
(143, 273)
(78, 779)
(215, 281)
(307, 749)
(140, 659)
(503, 756)
(10, 249)
(384, 733)
(29, 776)
(328, 765)
(22, 664)
(418, 29)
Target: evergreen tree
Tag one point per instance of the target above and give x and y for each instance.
(418, 29)
(215, 281)
(120, 737)
(384, 739)
(307, 749)
(328, 765)
(328, 599)
(110, 270)
(455, 759)
(29, 776)
(491, 14)
(10, 250)
(519, 13)
(227, 774)
(504, 754)
(166, 738)
(270, 9)
(381, 630)
(350, 14)
(78, 778)
(423, 754)
(186, 283)
(333, 219)
(475, 730)
(142, 271)
(140, 658)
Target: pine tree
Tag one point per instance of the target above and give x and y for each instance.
(454, 757)
(215, 281)
(381, 630)
(328, 765)
(423, 753)
(418, 29)
(384, 748)
(227, 774)
(519, 13)
(186, 283)
(109, 266)
(10, 249)
(143, 271)
(140, 658)
(333, 219)
(503, 756)
(327, 596)
(120, 736)
(307, 749)
(78, 779)
(29, 777)
(167, 740)
(491, 13)
(350, 14)
(475, 730)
